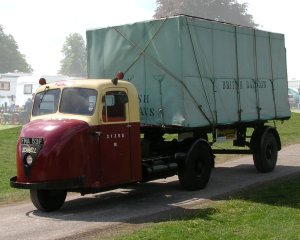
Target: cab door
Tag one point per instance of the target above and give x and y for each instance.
(115, 160)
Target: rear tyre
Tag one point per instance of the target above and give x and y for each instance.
(194, 174)
(48, 200)
(265, 156)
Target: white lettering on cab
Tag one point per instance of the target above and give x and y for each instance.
(115, 135)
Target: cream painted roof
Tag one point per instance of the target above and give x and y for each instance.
(100, 85)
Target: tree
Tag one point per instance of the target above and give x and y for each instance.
(74, 61)
(221, 10)
(10, 57)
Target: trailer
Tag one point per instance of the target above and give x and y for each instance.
(201, 81)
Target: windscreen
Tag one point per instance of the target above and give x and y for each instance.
(46, 102)
(80, 101)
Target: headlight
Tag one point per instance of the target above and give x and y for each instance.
(28, 159)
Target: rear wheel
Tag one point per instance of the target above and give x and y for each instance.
(48, 200)
(265, 156)
(194, 174)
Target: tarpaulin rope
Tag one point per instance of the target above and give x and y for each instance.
(272, 73)
(258, 108)
(237, 77)
(141, 50)
(199, 72)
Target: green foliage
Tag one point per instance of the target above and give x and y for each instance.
(74, 61)
(270, 213)
(221, 10)
(10, 57)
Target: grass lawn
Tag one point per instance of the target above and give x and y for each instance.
(8, 140)
(269, 213)
(289, 131)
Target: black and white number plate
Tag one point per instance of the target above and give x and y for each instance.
(32, 141)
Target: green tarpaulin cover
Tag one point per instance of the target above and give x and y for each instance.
(192, 72)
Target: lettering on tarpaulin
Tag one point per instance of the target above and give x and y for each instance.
(228, 85)
(143, 98)
(248, 84)
(146, 111)
(258, 84)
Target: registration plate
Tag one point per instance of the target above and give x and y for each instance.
(32, 141)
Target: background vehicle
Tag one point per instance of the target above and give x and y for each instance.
(196, 79)
(293, 97)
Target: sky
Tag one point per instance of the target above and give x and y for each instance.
(40, 27)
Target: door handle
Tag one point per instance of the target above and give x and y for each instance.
(96, 134)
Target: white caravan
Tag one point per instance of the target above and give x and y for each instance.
(8, 85)
(27, 85)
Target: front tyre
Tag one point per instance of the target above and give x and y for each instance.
(48, 200)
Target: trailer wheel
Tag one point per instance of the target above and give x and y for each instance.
(195, 172)
(48, 200)
(265, 156)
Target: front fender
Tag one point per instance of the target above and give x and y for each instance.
(67, 144)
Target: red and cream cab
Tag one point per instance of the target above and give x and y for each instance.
(84, 136)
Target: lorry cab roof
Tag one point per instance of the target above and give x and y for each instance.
(80, 99)
(84, 83)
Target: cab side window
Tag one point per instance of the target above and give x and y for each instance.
(114, 106)
(79, 101)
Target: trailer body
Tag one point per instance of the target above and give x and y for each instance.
(192, 72)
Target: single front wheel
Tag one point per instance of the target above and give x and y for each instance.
(48, 200)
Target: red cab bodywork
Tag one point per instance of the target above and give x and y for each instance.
(78, 155)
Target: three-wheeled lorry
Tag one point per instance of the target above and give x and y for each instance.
(197, 80)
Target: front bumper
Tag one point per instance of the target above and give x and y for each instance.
(74, 183)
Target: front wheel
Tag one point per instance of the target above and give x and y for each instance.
(195, 172)
(48, 200)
